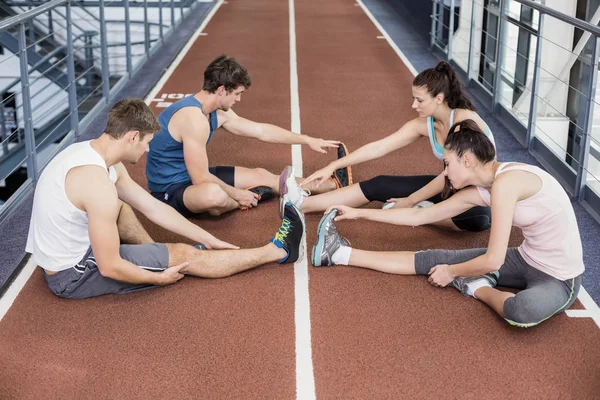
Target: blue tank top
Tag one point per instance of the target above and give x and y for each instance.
(438, 149)
(165, 165)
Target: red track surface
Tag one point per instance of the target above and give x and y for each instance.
(374, 335)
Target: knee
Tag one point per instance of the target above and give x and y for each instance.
(181, 251)
(263, 175)
(214, 196)
(476, 223)
(372, 188)
(524, 313)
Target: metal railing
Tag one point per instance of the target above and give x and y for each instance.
(537, 67)
(68, 61)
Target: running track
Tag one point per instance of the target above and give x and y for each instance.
(266, 333)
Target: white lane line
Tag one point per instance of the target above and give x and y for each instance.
(587, 301)
(590, 305)
(159, 85)
(295, 97)
(305, 378)
(578, 313)
(14, 289)
(388, 38)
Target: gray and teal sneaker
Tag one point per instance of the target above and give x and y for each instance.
(462, 282)
(290, 234)
(328, 241)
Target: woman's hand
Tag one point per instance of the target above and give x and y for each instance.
(344, 212)
(440, 275)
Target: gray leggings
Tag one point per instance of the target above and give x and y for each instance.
(541, 295)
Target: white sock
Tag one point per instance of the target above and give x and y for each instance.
(342, 255)
(476, 284)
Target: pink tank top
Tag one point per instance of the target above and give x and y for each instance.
(547, 220)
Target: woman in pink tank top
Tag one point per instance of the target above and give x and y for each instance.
(547, 266)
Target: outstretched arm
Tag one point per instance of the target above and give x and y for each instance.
(436, 186)
(271, 133)
(410, 132)
(161, 214)
(455, 205)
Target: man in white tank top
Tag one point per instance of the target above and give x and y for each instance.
(87, 239)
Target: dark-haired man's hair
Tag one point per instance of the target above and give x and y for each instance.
(131, 115)
(225, 71)
(443, 79)
(466, 136)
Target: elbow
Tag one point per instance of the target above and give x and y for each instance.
(107, 270)
(494, 263)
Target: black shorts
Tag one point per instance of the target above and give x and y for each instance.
(173, 196)
(385, 187)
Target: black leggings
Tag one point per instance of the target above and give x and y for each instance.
(384, 187)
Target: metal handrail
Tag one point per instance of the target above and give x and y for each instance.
(27, 15)
(586, 26)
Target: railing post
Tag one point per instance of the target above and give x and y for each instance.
(470, 69)
(499, 58)
(50, 23)
(71, 75)
(433, 24)
(31, 29)
(89, 61)
(160, 19)
(535, 86)
(584, 143)
(172, 13)
(3, 133)
(146, 29)
(450, 31)
(32, 170)
(128, 39)
(104, 49)
(181, 9)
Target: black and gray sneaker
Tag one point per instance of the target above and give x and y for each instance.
(342, 176)
(462, 282)
(290, 234)
(328, 241)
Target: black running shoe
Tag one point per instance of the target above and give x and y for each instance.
(342, 176)
(290, 234)
(265, 193)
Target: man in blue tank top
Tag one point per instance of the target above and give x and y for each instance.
(177, 165)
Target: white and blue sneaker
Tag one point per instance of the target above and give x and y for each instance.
(289, 190)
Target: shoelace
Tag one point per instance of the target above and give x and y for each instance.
(284, 229)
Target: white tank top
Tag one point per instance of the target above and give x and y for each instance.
(58, 232)
(551, 236)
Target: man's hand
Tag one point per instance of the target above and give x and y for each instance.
(321, 176)
(246, 198)
(440, 275)
(320, 145)
(171, 274)
(401, 202)
(344, 212)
